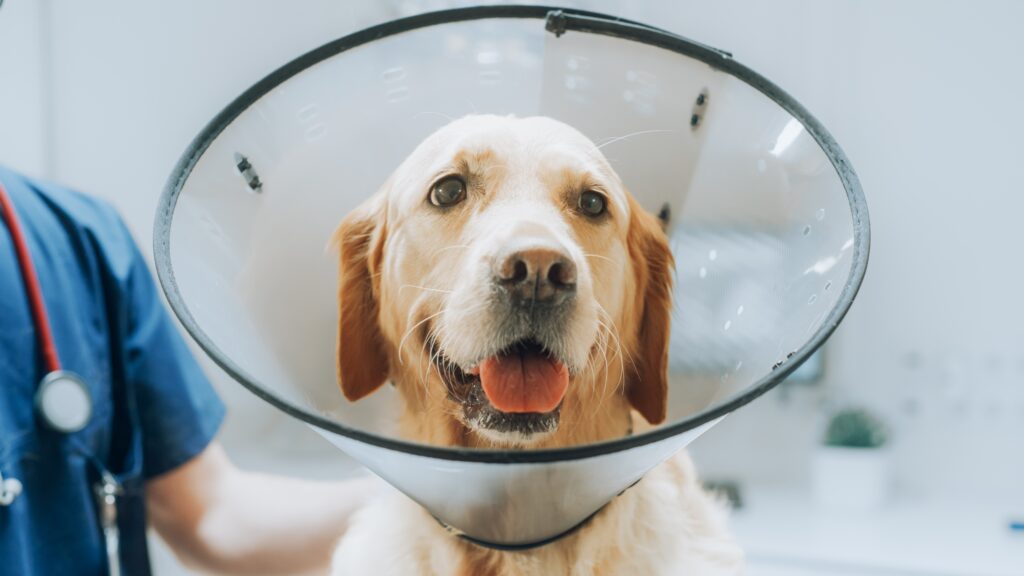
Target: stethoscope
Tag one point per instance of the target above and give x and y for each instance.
(62, 401)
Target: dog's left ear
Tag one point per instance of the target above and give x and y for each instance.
(363, 363)
(647, 378)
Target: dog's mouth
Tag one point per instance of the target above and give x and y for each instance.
(512, 396)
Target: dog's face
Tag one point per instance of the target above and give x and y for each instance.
(508, 284)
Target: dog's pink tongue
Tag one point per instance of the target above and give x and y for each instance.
(524, 382)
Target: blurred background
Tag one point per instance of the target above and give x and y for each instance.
(924, 97)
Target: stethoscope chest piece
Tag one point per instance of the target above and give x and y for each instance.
(63, 402)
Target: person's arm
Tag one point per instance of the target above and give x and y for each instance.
(219, 518)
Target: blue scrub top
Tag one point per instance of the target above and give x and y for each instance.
(153, 407)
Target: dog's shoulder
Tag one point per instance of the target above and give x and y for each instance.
(697, 518)
(665, 525)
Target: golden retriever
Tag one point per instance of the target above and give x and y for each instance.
(517, 296)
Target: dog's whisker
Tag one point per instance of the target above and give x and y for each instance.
(401, 343)
(593, 366)
(607, 361)
(425, 351)
(452, 247)
(431, 350)
(605, 333)
(631, 135)
(424, 288)
(618, 344)
(619, 350)
(589, 255)
(600, 348)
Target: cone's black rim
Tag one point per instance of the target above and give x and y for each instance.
(557, 21)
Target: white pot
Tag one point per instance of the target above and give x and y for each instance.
(850, 479)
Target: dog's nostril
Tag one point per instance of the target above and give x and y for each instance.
(555, 274)
(562, 274)
(519, 272)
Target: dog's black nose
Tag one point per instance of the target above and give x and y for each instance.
(540, 274)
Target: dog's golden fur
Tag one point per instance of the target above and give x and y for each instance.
(415, 279)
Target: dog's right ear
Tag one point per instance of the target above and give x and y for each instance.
(362, 360)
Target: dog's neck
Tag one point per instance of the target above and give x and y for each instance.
(611, 550)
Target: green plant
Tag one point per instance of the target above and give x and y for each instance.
(855, 428)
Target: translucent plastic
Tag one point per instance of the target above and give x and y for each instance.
(768, 235)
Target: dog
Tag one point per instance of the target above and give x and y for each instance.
(517, 296)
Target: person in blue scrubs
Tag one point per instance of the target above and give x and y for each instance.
(153, 424)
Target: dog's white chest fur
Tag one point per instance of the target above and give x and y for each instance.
(665, 525)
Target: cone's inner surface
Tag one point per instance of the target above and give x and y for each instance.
(759, 221)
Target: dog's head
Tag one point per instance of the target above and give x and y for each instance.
(508, 284)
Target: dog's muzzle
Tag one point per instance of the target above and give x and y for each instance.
(535, 274)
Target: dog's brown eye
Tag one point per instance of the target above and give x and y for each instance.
(592, 203)
(448, 192)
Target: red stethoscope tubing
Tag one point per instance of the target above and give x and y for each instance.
(31, 282)
(108, 489)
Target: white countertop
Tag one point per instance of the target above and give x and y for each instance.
(786, 533)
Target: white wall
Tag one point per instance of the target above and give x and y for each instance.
(23, 121)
